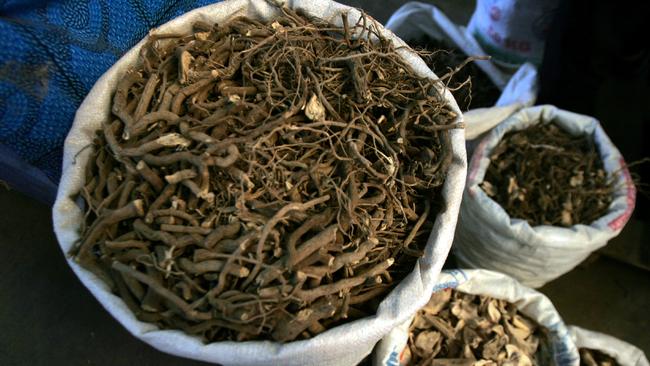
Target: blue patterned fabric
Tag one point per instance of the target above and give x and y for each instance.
(51, 54)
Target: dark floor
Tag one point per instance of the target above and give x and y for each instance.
(607, 296)
(48, 318)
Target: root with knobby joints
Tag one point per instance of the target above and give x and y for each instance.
(264, 180)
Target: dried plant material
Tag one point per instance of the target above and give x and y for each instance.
(489, 189)
(438, 301)
(428, 341)
(280, 179)
(546, 176)
(315, 110)
(472, 330)
(592, 357)
(471, 87)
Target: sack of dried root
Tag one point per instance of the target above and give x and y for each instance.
(545, 189)
(598, 349)
(478, 317)
(485, 93)
(254, 184)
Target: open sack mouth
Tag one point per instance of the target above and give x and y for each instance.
(457, 326)
(266, 180)
(547, 176)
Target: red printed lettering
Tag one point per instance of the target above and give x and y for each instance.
(517, 45)
(494, 35)
(495, 13)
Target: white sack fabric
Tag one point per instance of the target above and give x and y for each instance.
(499, 286)
(512, 31)
(343, 345)
(624, 353)
(414, 20)
(487, 237)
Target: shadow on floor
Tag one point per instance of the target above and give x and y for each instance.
(607, 296)
(47, 317)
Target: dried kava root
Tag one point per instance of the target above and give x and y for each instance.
(456, 328)
(592, 357)
(264, 180)
(470, 85)
(547, 176)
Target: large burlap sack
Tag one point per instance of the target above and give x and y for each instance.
(343, 345)
(487, 237)
(624, 353)
(499, 286)
(414, 20)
